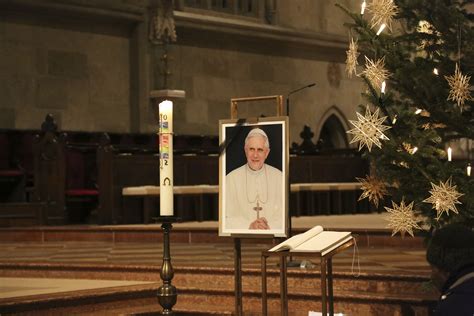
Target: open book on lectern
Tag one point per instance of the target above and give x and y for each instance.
(314, 240)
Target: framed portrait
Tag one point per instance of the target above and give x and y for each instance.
(253, 177)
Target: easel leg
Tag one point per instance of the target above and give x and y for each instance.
(323, 287)
(264, 286)
(283, 287)
(330, 289)
(238, 277)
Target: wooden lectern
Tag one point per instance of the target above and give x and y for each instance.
(326, 277)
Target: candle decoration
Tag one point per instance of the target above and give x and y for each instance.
(166, 157)
(362, 7)
(381, 28)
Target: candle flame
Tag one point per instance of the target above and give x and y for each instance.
(382, 27)
(362, 8)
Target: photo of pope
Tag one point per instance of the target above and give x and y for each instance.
(254, 193)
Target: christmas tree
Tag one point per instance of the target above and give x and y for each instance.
(417, 128)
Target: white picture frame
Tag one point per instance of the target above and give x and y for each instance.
(239, 202)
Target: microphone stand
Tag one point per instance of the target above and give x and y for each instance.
(292, 263)
(294, 91)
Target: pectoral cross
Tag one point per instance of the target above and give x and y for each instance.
(258, 208)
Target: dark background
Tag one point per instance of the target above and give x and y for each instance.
(235, 155)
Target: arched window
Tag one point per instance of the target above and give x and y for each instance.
(333, 131)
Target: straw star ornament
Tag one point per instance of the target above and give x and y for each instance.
(444, 198)
(373, 189)
(375, 72)
(368, 130)
(427, 28)
(383, 12)
(351, 59)
(459, 86)
(402, 219)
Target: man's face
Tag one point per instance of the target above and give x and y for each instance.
(256, 152)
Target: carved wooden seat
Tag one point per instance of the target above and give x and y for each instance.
(12, 177)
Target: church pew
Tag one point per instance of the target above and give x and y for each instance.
(12, 176)
(49, 175)
(22, 214)
(326, 169)
(64, 176)
(81, 193)
(15, 208)
(118, 168)
(121, 167)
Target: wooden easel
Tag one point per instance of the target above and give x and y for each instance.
(237, 238)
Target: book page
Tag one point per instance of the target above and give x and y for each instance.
(324, 242)
(295, 241)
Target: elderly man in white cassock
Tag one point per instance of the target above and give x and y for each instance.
(254, 190)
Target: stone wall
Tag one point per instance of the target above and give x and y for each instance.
(71, 59)
(90, 64)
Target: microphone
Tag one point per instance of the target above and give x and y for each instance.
(291, 92)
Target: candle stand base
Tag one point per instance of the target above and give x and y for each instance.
(167, 294)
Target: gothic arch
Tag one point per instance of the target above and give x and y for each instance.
(332, 129)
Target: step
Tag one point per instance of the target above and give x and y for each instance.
(141, 300)
(305, 280)
(211, 290)
(191, 235)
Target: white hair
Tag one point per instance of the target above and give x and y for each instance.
(257, 132)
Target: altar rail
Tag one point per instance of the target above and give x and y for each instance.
(150, 193)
